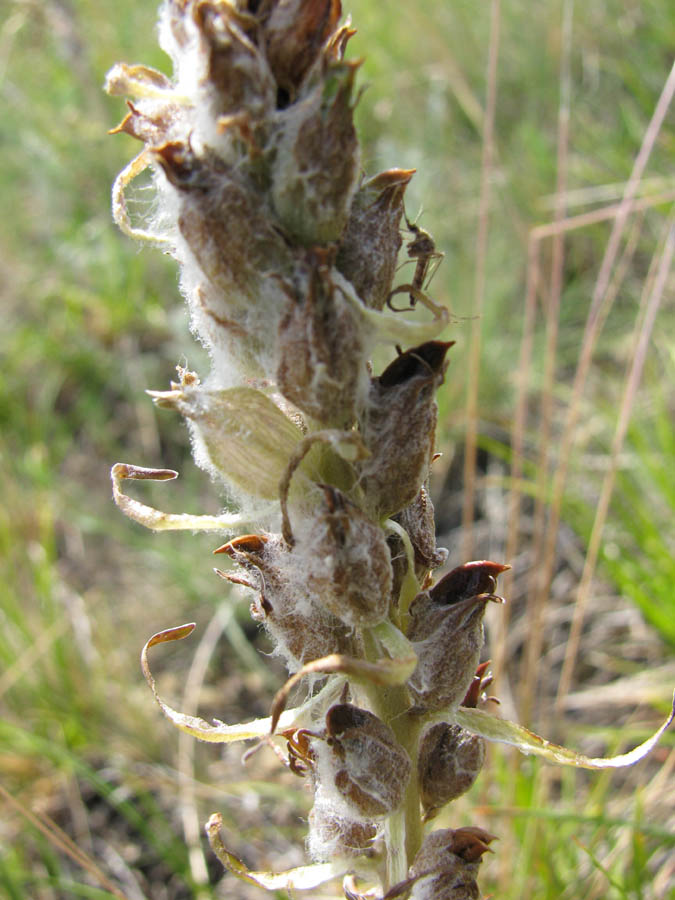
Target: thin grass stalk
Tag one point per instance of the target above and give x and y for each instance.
(530, 679)
(59, 839)
(604, 214)
(472, 417)
(518, 428)
(191, 823)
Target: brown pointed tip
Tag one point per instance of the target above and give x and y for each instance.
(474, 578)
(389, 178)
(471, 843)
(426, 360)
(247, 543)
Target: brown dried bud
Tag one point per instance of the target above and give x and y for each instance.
(236, 73)
(321, 365)
(448, 641)
(452, 859)
(295, 34)
(347, 561)
(418, 520)
(300, 627)
(363, 760)
(222, 219)
(316, 165)
(446, 627)
(450, 759)
(369, 246)
(398, 427)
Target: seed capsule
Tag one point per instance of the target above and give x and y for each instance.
(398, 427)
(316, 163)
(347, 561)
(446, 628)
(333, 834)
(320, 343)
(418, 520)
(369, 246)
(453, 858)
(450, 759)
(363, 760)
(295, 34)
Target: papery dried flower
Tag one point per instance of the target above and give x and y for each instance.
(398, 427)
(450, 759)
(239, 434)
(301, 628)
(360, 756)
(446, 629)
(451, 859)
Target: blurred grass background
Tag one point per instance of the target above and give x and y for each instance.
(92, 320)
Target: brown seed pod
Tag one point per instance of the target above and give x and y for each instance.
(452, 859)
(333, 834)
(236, 74)
(316, 156)
(294, 36)
(363, 760)
(348, 564)
(398, 427)
(449, 761)
(448, 653)
(446, 627)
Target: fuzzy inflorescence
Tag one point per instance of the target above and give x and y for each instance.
(288, 256)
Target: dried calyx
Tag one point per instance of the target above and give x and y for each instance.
(446, 866)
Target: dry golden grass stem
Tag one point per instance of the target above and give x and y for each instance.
(530, 679)
(192, 826)
(479, 286)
